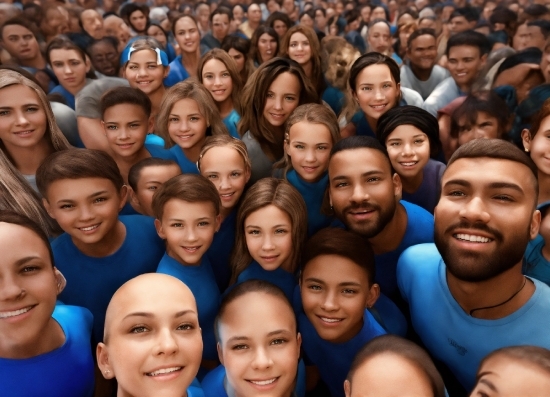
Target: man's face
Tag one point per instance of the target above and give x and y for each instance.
(220, 26)
(423, 52)
(484, 220)
(362, 190)
(254, 13)
(19, 42)
(464, 64)
(536, 38)
(459, 24)
(92, 23)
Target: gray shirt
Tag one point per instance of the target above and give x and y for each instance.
(445, 92)
(424, 88)
(262, 166)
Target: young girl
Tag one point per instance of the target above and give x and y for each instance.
(218, 73)
(271, 230)
(258, 344)
(264, 45)
(224, 161)
(238, 49)
(302, 45)
(37, 337)
(272, 93)
(514, 371)
(187, 35)
(28, 131)
(156, 31)
(311, 131)
(188, 115)
(411, 137)
(70, 66)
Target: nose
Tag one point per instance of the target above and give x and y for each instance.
(407, 150)
(10, 289)
(359, 194)
(166, 343)
(86, 213)
(379, 94)
(217, 80)
(224, 183)
(67, 69)
(124, 133)
(310, 155)
(278, 103)
(267, 243)
(190, 234)
(479, 133)
(22, 119)
(262, 359)
(475, 211)
(330, 303)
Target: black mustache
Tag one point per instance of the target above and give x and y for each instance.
(475, 226)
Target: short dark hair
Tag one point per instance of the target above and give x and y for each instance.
(77, 164)
(536, 10)
(396, 345)
(543, 25)
(470, 38)
(420, 32)
(187, 187)
(279, 16)
(343, 243)
(125, 95)
(21, 21)
(470, 13)
(135, 171)
(360, 142)
(221, 11)
(240, 44)
(113, 41)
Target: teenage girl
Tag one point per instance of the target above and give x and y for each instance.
(218, 73)
(238, 48)
(71, 67)
(224, 161)
(272, 93)
(188, 115)
(311, 132)
(187, 34)
(271, 230)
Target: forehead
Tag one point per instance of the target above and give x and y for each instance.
(353, 162)
(181, 209)
(463, 51)
(15, 29)
(424, 39)
(379, 27)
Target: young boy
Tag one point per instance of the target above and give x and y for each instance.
(336, 287)
(536, 262)
(187, 208)
(145, 178)
(83, 191)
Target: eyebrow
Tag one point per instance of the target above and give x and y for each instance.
(26, 104)
(91, 196)
(364, 174)
(486, 382)
(204, 218)
(26, 259)
(151, 315)
(305, 143)
(344, 284)
(258, 227)
(493, 185)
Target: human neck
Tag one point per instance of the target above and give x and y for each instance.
(156, 99)
(411, 185)
(372, 122)
(52, 337)
(225, 107)
(108, 245)
(488, 299)
(28, 159)
(421, 74)
(390, 237)
(465, 88)
(125, 163)
(190, 61)
(253, 25)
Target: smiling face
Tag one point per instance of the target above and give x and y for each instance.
(423, 52)
(464, 64)
(143, 72)
(484, 220)
(154, 343)
(259, 346)
(283, 97)
(217, 80)
(226, 169)
(299, 48)
(362, 190)
(267, 47)
(150, 180)
(334, 302)
(69, 68)
(308, 146)
(187, 35)
(186, 124)
(188, 229)
(539, 147)
(126, 126)
(268, 233)
(409, 150)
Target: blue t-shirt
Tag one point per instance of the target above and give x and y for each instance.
(187, 166)
(231, 121)
(195, 390)
(427, 194)
(535, 264)
(313, 194)
(335, 98)
(333, 360)
(153, 139)
(159, 152)
(448, 332)
(177, 73)
(202, 283)
(69, 98)
(67, 371)
(279, 277)
(91, 282)
(219, 253)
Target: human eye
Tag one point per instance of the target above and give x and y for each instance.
(235, 174)
(456, 193)
(30, 269)
(212, 176)
(270, 95)
(278, 341)
(226, 74)
(203, 223)
(322, 147)
(419, 141)
(240, 347)
(254, 232)
(100, 199)
(66, 206)
(299, 146)
(173, 119)
(138, 329)
(132, 67)
(194, 119)
(112, 127)
(57, 64)
(280, 231)
(293, 44)
(366, 89)
(75, 62)
(373, 179)
(186, 327)
(314, 287)
(395, 144)
(290, 98)
(152, 188)
(341, 184)
(32, 109)
(176, 224)
(4, 112)
(349, 291)
(208, 76)
(504, 197)
(151, 66)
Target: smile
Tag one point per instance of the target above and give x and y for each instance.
(409, 164)
(88, 228)
(277, 116)
(263, 382)
(164, 371)
(331, 320)
(192, 250)
(15, 312)
(26, 132)
(227, 195)
(379, 107)
(472, 238)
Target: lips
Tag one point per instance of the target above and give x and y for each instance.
(191, 250)
(379, 108)
(23, 133)
(15, 313)
(163, 371)
(90, 228)
(330, 320)
(472, 238)
(265, 382)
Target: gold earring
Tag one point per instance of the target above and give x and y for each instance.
(527, 150)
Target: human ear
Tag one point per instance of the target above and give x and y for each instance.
(60, 279)
(123, 196)
(220, 354)
(47, 207)
(166, 71)
(526, 139)
(134, 201)
(535, 224)
(102, 354)
(160, 229)
(373, 295)
(397, 186)
(151, 124)
(347, 388)
(218, 222)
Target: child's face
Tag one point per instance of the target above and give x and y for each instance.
(188, 229)
(409, 150)
(28, 289)
(126, 128)
(186, 124)
(154, 343)
(282, 98)
(539, 147)
(308, 146)
(143, 72)
(217, 80)
(268, 234)
(259, 346)
(150, 180)
(387, 375)
(335, 301)
(486, 126)
(69, 68)
(225, 168)
(87, 208)
(501, 376)
(299, 48)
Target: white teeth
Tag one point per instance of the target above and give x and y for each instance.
(330, 320)
(15, 312)
(164, 371)
(87, 229)
(263, 382)
(227, 195)
(472, 238)
(409, 164)
(192, 249)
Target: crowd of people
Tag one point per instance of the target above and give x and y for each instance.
(279, 198)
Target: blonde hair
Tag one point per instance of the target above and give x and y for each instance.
(231, 66)
(189, 89)
(338, 57)
(225, 140)
(281, 194)
(312, 113)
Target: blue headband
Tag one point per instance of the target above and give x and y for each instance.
(162, 58)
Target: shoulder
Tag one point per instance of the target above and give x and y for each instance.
(412, 97)
(420, 258)
(73, 317)
(417, 216)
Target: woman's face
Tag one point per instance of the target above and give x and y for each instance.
(138, 21)
(282, 97)
(376, 91)
(238, 57)
(539, 146)
(187, 35)
(143, 71)
(299, 48)
(158, 34)
(379, 38)
(69, 68)
(238, 14)
(217, 80)
(267, 47)
(378, 13)
(23, 120)
(280, 27)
